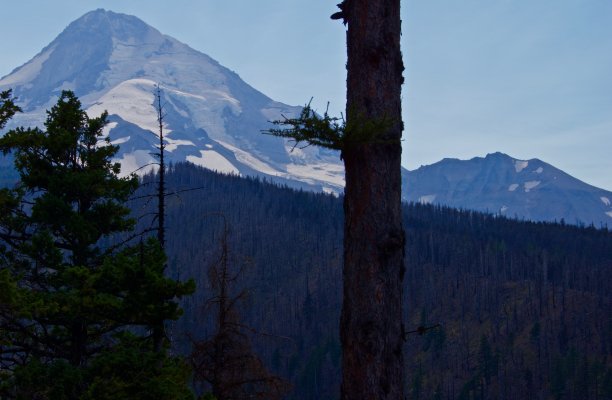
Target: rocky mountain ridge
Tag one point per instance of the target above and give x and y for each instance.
(214, 119)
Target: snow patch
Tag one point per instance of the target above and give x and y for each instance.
(173, 144)
(513, 187)
(107, 128)
(330, 173)
(214, 161)
(66, 85)
(247, 159)
(609, 214)
(272, 114)
(295, 152)
(132, 101)
(28, 72)
(329, 190)
(520, 165)
(180, 111)
(503, 209)
(322, 172)
(120, 141)
(277, 113)
(214, 93)
(185, 94)
(427, 199)
(130, 163)
(530, 185)
(539, 170)
(605, 200)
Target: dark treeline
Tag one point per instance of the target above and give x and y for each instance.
(524, 309)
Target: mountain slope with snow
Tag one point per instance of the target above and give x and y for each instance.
(114, 61)
(214, 119)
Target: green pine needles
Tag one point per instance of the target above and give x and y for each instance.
(330, 132)
(76, 317)
(7, 107)
(312, 129)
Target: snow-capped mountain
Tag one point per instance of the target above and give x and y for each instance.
(500, 184)
(213, 118)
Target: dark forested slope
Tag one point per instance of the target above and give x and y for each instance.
(524, 309)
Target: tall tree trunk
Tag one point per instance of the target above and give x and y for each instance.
(159, 330)
(371, 323)
(161, 187)
(78, 342)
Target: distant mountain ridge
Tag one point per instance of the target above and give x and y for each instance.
(214, 119)
(500, 184)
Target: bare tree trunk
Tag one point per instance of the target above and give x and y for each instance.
(159, 330)
(371, 323)
(161, 187)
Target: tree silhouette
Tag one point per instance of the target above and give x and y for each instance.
(7, 108)
(227, 361)
(369, 140)
(73, 308)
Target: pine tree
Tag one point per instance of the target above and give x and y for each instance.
(7, 108)
(73, 308)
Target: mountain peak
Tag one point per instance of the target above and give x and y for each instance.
(498, 155)
(81, 58)
(106, 16)
(108, 23)
(505, 185)
(113, 62)
(98, 13)
(95, 14)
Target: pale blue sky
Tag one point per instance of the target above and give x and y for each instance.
(531, 78)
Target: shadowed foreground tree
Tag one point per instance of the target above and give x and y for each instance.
(159, 329)
(227, 361)
(7, 107)
(371, 327)
(371, 323)
(75, 316)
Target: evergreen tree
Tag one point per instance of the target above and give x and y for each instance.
(7, 107)
(7, 110)
(296, 271)
(488, 361)
(73, 311)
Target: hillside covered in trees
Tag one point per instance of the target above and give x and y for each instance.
(496, 308)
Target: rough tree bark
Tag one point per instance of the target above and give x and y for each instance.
(371, 327)
(371, 322)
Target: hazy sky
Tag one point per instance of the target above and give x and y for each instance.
(530, 78)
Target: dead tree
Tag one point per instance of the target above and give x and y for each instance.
(227, 361)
